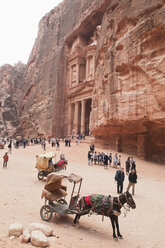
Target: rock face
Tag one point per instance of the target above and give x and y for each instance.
(10, 78)
(44, 101)
(126, 109)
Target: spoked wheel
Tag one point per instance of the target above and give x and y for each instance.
(46, 212)
(40, 175)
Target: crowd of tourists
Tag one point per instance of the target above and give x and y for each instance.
(114, 161)
(102, 158)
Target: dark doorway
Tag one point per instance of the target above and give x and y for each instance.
(87, 115)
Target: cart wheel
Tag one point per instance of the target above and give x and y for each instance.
(40, 175)
(62, 201)
(46, 212)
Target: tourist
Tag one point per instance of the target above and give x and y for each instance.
(69, 141)
(119, 177)
(102, 158)
(57, 145)
(89, 157)
(132, 180)
(5, 160)
(66, 141)
(106, 161)
(110, 159)
(95, 157)
(133, 165)
(115, 159)
(92, 148)
(119, 161)
(24, 143)
(77, 140)
(99, 158)
(127, 165)
(10, 147)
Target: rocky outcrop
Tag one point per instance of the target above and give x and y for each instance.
(128, 108)
(42, 109)
(10, 77)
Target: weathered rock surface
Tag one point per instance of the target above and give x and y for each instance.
(10, 77)
(42, 103)
(47, 230)
(39, 239)
(128, 101)
(15, 230)
(25, 237)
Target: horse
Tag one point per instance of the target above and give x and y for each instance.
(105, 206)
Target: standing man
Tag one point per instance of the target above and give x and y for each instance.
(127, 165)
(119, 177)
(110, 159)
(10, 147)
(106, 161)
(132, 180)
(5, 160)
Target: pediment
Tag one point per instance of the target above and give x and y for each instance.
(81, 89)
(76, 52)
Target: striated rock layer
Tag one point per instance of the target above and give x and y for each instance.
(126, 110)
(42, 104)
(10, 77)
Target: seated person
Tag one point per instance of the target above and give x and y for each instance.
(51, 165)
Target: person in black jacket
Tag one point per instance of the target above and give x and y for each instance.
(132, 180)
(127, 165)
(119, 177)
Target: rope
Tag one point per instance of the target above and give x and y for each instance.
(126, 210)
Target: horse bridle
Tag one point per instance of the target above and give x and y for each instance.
(128, 202)
(120, 204)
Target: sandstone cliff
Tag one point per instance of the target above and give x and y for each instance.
(10, 76)
(43, 101)
(129, 95)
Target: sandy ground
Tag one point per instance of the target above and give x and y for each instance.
(21, 201)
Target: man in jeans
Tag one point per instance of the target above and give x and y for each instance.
(119, 177)
(132, 180)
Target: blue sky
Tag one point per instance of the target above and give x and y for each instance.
(19, 21)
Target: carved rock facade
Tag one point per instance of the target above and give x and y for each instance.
(98, 66)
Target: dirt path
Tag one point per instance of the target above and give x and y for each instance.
(21, 201)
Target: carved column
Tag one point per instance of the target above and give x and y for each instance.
(69, 119)
(87, 61)
(83, 116)
(76, 118)
(77, 75)
(70, 76)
